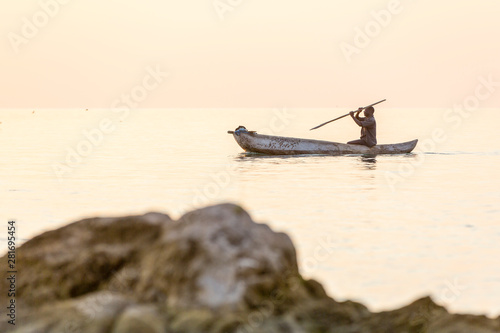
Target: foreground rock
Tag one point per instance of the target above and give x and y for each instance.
(214, 270)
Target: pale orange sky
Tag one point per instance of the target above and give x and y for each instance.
(261, 54)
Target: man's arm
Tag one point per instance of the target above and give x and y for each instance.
(358, 112)
(356, 117)
(367, 122)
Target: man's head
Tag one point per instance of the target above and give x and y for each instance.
(369, 111)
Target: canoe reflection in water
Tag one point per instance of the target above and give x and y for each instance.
(369, 162)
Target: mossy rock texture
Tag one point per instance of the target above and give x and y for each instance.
(213, 270)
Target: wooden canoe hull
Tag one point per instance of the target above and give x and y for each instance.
(279, 145)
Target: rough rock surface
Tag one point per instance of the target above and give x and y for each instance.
(213, 270)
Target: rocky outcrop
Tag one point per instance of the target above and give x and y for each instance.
(213, 270)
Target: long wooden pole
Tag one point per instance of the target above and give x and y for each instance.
(345, 115)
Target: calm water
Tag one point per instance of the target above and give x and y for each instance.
(381, 230)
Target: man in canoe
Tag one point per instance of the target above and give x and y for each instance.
(368, 127)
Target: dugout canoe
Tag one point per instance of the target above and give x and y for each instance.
(250, 141)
